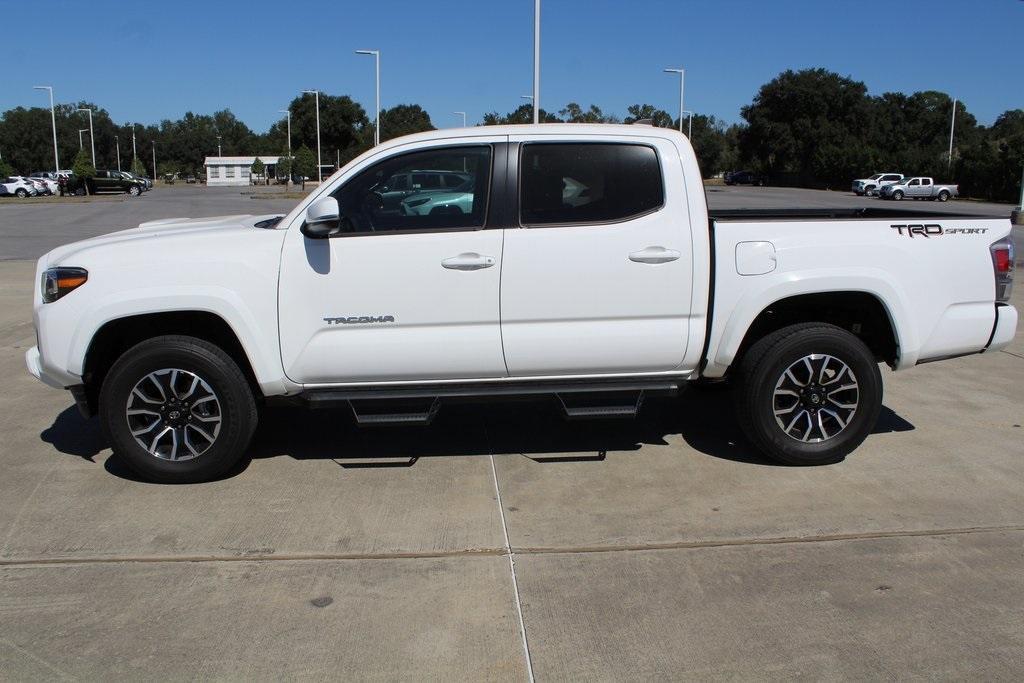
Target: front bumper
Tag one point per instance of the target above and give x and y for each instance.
(48, 376)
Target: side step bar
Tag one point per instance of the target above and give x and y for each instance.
(419, 404)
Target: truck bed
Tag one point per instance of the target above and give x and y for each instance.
(867, 212)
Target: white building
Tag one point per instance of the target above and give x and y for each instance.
(235, 170)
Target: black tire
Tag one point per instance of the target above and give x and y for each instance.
(762, 370)
(21, 192)
(943, 196)
(869, 190)
(222, 376)
(897, 195)
(134, 190)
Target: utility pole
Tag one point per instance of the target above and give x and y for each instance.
(376, 118)
(952, 123)
(117, 144)
(292, 170)
(154, 162)
(319, 163)
(53, 120)
(135, 155)
(682, 77)
(80, 131)
(536, 61)
(218, 147)
(92, 138)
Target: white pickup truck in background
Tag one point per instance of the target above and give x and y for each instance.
(576, 261)
(920, 187)
(870, 186)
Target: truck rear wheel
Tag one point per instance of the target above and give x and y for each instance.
(943, 196)
(177, 410)
(808, 394)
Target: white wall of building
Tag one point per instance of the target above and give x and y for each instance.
(233, 170)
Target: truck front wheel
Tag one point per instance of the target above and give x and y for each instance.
(808, 394)
(177, 410)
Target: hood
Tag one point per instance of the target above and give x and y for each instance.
(161, 229)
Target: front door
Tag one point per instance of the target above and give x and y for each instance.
(408, 291)
(597, 280)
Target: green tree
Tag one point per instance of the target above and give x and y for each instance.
(574, 113)
(639, 112)
(305, 164)
(83, 168)
(403, 119)
(258, 167)
(137, 167)
(522, 114)
(284, 167)
(5, 169)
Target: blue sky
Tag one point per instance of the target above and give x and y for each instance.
(154, 60)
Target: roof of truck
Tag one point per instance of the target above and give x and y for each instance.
(561, 129)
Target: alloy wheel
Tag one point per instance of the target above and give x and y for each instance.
(174, 414)
(815, 398)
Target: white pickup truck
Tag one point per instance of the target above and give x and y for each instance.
(575, 261)
(920, 187)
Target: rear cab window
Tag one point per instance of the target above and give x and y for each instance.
(576, 183)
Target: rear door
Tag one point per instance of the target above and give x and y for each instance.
(597, 269)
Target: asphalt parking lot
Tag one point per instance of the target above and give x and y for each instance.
(663, 547)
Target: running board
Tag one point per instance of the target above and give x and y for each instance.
(384, 412)
(326, 396)
(601, 406)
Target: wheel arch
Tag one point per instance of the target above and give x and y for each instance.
(871, 309)
(117, 335)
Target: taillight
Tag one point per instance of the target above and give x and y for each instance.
(1002, 266)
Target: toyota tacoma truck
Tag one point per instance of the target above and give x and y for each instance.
(583, 265)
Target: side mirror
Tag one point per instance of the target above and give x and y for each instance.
(323, 219)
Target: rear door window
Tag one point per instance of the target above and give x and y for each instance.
(583, 182)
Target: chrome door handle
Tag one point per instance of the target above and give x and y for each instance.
(654, 255)
(468, 261)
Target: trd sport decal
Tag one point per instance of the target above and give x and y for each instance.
(933, 230)
(360, 319)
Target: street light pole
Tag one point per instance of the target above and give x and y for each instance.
(80, 131)
(463, 115)
(218, 147)
(952, 124)
(288, 112)
(689, 123)
(319, 168)
(117, 144)
(53, 121)
(92, 138)
(536, 61)
(135, 155)
(154, 162)
(376, 118)
(682, 77)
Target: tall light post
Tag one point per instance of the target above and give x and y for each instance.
(288, 112)
(689, 123)
(682, 77)
(135, 155)
(218, 147)
(463, 115)
(319, 168)
(80, 131)
(117, 144)
(92, 138)
(53, 121)
(952, 124)
(536, 61)
(376, 118)
(154, 162)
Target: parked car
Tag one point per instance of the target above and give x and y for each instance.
(869, 186)
(417, 182)
(44, 185)
(745, 178)
(18, 187)
(190, 179)
(636, 291)
(436, 203)
(920, 187)
(105, 182)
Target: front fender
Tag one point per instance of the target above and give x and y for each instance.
(258, 341)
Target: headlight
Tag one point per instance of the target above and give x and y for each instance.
(60, 281)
